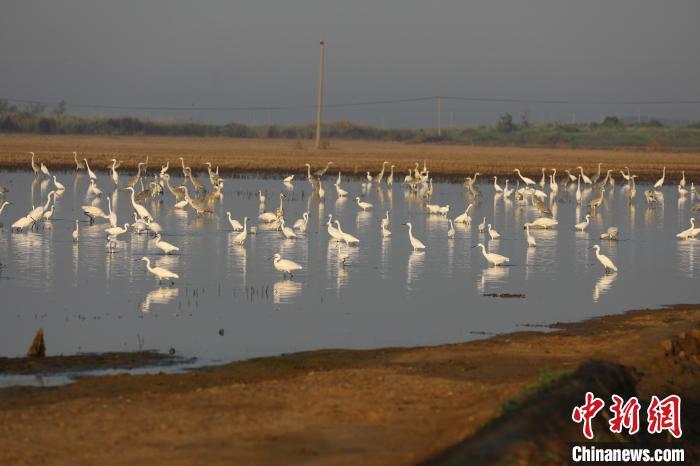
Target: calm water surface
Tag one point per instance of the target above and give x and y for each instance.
(87, 300)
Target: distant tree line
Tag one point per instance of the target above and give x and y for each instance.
(611, 132)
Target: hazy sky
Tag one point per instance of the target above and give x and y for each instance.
(265, 53)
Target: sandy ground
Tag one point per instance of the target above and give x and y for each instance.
(383, 407)
(351, 157)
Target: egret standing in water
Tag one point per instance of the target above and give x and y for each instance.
(241, 237)
(160, 273)
(363, 205)
(76, 233)
(235, 224)
(530, 239)
(285, 266)
(451, 230)
(660, 183)
(491, 257)
(583, 225)
(415, 242)
(604, 260)
(526, 180)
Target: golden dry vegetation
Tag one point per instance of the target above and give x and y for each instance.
(351, 157)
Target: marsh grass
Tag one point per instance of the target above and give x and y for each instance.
(289, 156)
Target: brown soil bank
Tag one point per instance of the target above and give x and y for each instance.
(388, 407)
(351, 157)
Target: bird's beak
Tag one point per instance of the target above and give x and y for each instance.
(474, 246)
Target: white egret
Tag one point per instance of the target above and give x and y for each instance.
(682, 191)
(332, 231)
(507, 192)
(491, 257)
(526, 180)
(111, 215)
(610, 234)
(682, 181)
(49, 213)
(76, 231)
(660, 183)
(301, 223)
(493, 233)
(116, 231)
(140, 210)
(544, 223)
(572, 178)
(45, 170)
(690, 232)
(35, 167)
(390, 178)
(341, 192)
(285, 266)
(286, 231)
(415, 242)
(464, 218)
(115, 175)
(543, 181)
(91, 174)
(235, 224)
(451, 230)
(482, 226)
(604, 260)
(578, 190)
(583, 225)
(58, 185)
(160, 272)
(444, 210)
(167, 248)
(288, 179)
(37, 213)
(385, 220)
(93, 212)
(385, 231)
(626, 176)
(369, 178)
(585, 179)
(241, 237)
(347, 237)
(363, 205)
(78, 164)
(22, 223)
(93, 190)
(530, 239)
(3, 205)
(261, 198)
(139, 225)
(267, 217)
(553, 185)
(164, 168)
(154, 227)
(496, 187)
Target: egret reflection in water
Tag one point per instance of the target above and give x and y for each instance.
(330, 292)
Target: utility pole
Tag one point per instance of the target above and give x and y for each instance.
(439, 116)
(319, 98)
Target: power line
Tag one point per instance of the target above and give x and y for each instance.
(364, 103)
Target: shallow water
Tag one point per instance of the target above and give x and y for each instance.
(230, 303)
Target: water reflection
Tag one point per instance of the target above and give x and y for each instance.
(603, 285)
(160, 295)
(492, 279)
(283, 291)
(415, 266)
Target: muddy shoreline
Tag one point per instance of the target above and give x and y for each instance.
(384, 406)
(351, 157)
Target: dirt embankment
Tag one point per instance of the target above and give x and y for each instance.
(388, 406)
(350, 157)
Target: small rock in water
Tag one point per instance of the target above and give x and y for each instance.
(38, 348)
(221, 332)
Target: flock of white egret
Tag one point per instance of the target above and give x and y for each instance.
(195, 195)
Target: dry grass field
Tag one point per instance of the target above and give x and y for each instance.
(351, 157)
